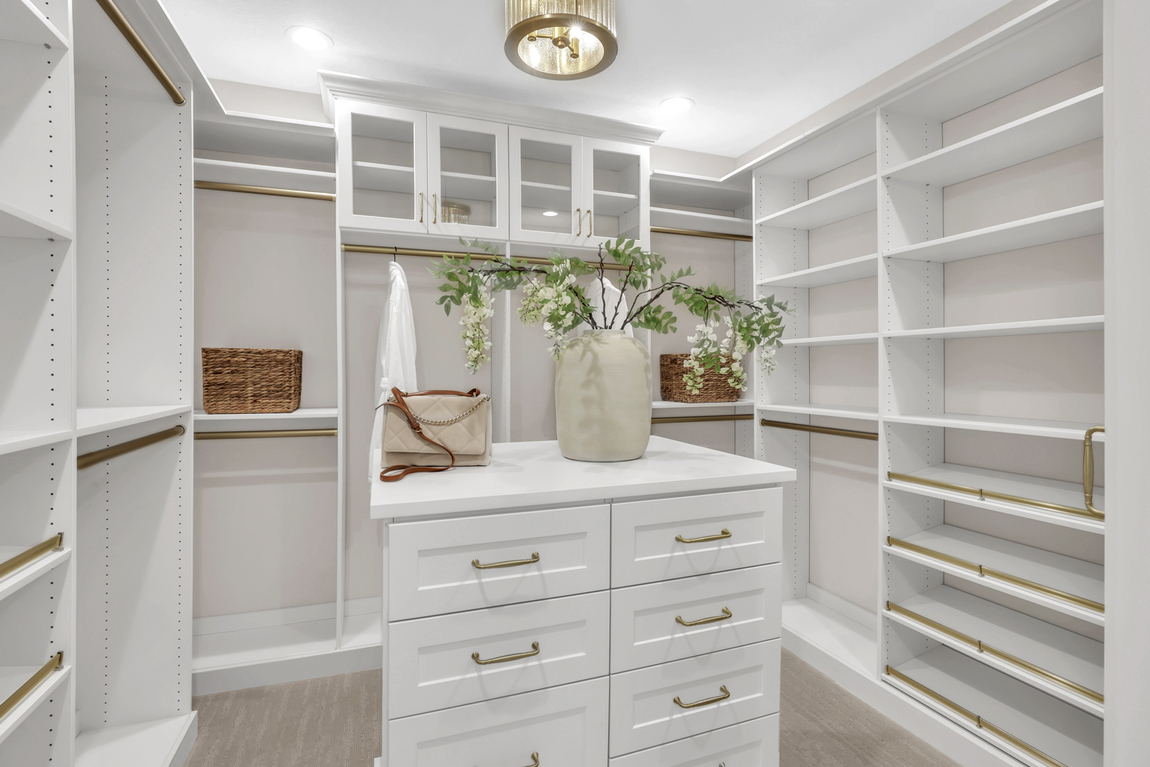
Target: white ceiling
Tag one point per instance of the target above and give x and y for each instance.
(753, 67)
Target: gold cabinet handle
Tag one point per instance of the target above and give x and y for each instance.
(434, 208)
(579, 218)
(534, 760)
(509, 563)
(702, 621)
(725, 534)
(697, 704)
(1088, 471)
(590, 222)
(421, 207)
(507, 658)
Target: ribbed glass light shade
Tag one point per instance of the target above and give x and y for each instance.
(561, 39)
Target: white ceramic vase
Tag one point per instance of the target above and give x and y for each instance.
(603, 397)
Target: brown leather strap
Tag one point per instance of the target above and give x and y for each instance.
(387, 474)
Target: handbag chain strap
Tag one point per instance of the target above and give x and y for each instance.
(448, 421)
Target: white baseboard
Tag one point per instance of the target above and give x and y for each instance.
(842, 606)
(281, 670)
(219, 624)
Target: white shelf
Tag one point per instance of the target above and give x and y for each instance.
(1057, 729)
(1069, 655)
(1027, 427)
(149, 744)
(15, 441)
(703, 222)
(383, 178)
(614, 203)
(850, 200)
(94, 420)
(1073, 576)
(1039, 489)
(11, 677)
(1066, 224)
(1064, 125)
(546, 196)
(16, 222)
(303, 418)
(855, 339)
(810, 156)
(1025, 328)
(696, 193)
(743, 405)
(830, 411)
(829, 274)
(273, 176)
(467, 186)
(22, 22)
(259, 645)
(851, 643)
(28, 574)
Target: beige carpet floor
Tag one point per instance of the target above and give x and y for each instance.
(335, 722)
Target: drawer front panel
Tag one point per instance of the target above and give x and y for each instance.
(431, 665)
(566, 726)
(645, 629)
(751, 744)
(431, 568)
(645, 535)
(643, 708)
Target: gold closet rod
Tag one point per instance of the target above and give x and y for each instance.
(986, 572)
(106, 454)
(141, 49)
(220, 186)
(37, 551)
(701, 233)
(982, 647)
(974, 719)
(266, 434)
(420, 253)
(703, 418)
(22, 692)
(820, 430)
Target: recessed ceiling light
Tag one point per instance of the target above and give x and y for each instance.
(312, 39)
(550, 213)
(676, 105)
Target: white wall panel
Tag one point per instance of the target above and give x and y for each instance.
(845, 308)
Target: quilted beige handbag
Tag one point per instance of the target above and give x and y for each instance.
(431, 431)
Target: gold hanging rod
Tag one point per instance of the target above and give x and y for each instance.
(986, 572)
(267, 434)
(40, 549)
(820, 429)
(703, 418)
(22, 692)
(701, 233)
(108, 453)
(982, 647)
(974, 719)
(141, 50)
(219, 186)
(420, 253)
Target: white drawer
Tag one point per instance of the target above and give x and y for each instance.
(444, 565)
(643, 708)
(431, 665)
(751, 744)
(566, 726)
(676, 537)
(647, 621)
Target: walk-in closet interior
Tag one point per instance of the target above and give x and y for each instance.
(263, 501)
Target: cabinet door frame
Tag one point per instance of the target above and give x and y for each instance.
(573, 238)
(496, 233)
(644, 155)
(345, 186)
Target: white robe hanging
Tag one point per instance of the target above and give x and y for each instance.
(395, 353)
(604, 298)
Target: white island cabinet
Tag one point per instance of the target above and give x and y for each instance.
(540, 611)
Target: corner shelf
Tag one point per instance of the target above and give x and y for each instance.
(829, 274)
(850, 200)
(22, 22)
(1025, 328)
(274, 176)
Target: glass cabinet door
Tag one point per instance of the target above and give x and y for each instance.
(467, 177)
(616, 191)
(382, 180)
(547, 188)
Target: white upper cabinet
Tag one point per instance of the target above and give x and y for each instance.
(382, 154)
(467, 177)
(616, 192)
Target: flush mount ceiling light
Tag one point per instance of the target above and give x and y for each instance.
(312, 39)
(561, 39)
(676, 105)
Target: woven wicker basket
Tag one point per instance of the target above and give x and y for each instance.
(715, 386)
(251, 380)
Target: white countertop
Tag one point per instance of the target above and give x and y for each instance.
(526, 474)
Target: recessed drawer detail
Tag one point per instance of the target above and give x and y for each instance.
(676, 700)
(451, 660)
(565, 726)
(667, 621)
(451, 565)
(751, 744)
(677, 537)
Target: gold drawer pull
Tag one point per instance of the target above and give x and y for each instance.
(726, 694)
(725, 534)
(726, 615)
(508, 563)
(507, 658)
(534, 760)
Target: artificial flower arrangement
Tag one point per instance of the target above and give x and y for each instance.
(553, 295)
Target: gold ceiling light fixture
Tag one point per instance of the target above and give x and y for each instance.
(561, 39)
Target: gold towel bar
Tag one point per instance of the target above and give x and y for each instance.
(986, 572)
(37, 551)
(974, 719)
(820, 429)
(267, 434)
(421, 253)
(141, 50)
(99, 456)
(703, 418)
(22, 692)
(701, 233)
(220, 186)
